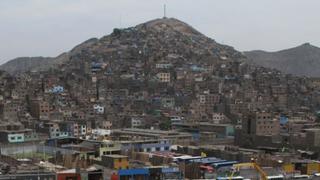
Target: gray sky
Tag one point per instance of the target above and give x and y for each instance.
(50, 27)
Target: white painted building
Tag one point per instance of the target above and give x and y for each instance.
(98, 109)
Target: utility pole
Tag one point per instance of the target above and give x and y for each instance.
(164, 11)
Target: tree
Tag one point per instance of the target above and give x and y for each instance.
(165, 124)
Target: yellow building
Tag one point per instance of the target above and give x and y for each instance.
(288, 168)
(313, 168)
(306, 168)
(115, 161)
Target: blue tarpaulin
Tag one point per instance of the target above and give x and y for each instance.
(283, 119)
(226, 163)
(132, 172)
(170, 170)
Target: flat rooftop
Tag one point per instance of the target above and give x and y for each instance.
(17, 131)
(116, 156)
(152, 133)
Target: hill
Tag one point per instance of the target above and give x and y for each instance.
(166, 40)
(24, 64)
(167, 35)
(303, 60)
(168, 65)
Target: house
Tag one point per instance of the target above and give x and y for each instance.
(145, 145)
(18, 136)
(167, 102)
(173, 137)
(100, 134)
(98, 109)
(53, 130)
(78, 128)
(57, 89)
(109, 148)
(219, 118)
(163, 65)
(115, 161)
(313, 137)
(136, 121)
(164, 77)
(9, 110)
(40, 109)
(70, 174)
(176, 119)
(140, 173)
(221, 130)
(105, 124)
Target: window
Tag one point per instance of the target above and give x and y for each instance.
(19, 138)
(12, 138)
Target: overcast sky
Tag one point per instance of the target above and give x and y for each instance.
(50, 27)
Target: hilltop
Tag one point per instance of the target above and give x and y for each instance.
(167, 36)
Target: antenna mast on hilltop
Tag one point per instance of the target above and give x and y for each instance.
(164, 11)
